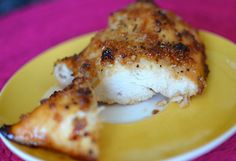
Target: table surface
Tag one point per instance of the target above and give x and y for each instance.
(28, 31)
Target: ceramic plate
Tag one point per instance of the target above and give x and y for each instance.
(175, 133)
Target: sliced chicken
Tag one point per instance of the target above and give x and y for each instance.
(145, 50)
(66, 122)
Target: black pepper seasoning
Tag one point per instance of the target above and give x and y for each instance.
(107, 55)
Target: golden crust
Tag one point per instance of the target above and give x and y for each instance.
(56, 124)
(143, 30)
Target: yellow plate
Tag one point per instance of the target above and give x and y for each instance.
(173, 132)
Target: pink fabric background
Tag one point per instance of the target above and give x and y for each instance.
(27, 32)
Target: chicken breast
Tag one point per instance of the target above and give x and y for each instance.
(66, 122)
(145, 50)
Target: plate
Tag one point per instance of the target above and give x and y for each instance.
(175, 133)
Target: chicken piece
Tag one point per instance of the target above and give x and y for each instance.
(145, 50)
(66, 122)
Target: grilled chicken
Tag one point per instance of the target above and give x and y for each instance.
(66, 122)
(145, 50)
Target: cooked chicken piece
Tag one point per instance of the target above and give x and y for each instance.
(145, 50)
(66, 122)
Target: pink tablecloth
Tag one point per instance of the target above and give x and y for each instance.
(27, 32)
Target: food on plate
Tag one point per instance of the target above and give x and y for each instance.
(145, 50)
(66, 122)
